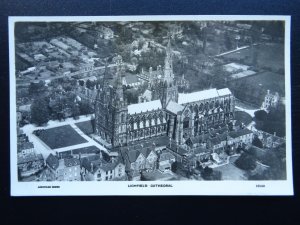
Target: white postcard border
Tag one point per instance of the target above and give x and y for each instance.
(149, 187)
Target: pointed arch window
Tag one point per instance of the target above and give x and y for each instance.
(186, 122)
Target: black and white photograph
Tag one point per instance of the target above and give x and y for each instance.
(160, 105)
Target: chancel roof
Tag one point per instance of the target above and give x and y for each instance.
(144, 107)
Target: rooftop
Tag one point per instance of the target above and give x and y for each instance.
(133, 155)
(232, 67)
(202, 95)
(29, 158)
(173, 107)
(166, 156)
(238, 133)
(71, 162)
(144, 107)
(146, 151)
(130, 79)
(52, 161)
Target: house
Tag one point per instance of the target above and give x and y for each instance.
(150, 158)
(96, 168)
(29, 162)
(239, 137)
(135, 160)
(166, 159)
(218, 142)
(270, 140)
(67, 169)
(270, 101)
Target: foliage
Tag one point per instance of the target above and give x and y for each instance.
(37, 89)
(261, 115)
(256, 142)
(273, 122)
(85, 108)
(40, 111)
(174, 167)
(210, 174)
(246, 162)
(131, 95)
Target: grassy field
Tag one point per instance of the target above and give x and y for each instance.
(243, 117)
(269, 55)
(86, 126)
(59, 137)
(231, 172)
(254, 88)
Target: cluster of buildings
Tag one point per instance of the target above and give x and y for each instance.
(92, 167)
(54, 58)
(28, 160)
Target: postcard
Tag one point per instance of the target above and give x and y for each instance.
(150, 105)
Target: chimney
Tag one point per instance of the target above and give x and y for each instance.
(274, 133)
(268, 92)
(92, 167)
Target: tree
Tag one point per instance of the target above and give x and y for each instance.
(228, 43)
(85, 108)
(174, 167)
(210, 174)
(37, 89)
(261, 115)
(131, 96)
(246, 162)
(40, 111)
(75, 111)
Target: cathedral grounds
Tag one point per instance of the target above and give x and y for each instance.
(107, 104)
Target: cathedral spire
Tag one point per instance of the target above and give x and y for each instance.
(168, 69)
(119, 85)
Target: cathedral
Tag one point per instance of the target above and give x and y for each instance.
(178, 116)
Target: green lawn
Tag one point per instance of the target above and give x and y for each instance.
(86, 126)
(243, 117)
(269, 55)
(59, 137)
(253, 89)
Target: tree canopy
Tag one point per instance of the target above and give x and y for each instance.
(246, 162)
(40, 111)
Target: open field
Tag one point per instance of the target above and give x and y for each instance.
(269, 55)
(86, 126)
(59, 137)
(243, 117)
(254, 88)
